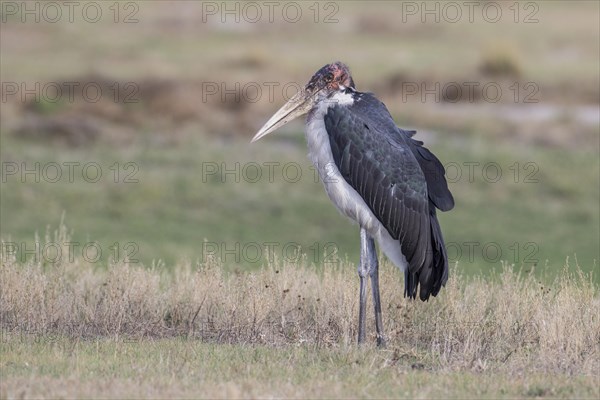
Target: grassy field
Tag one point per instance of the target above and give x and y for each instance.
(222, 192)
(288, 330)
(198, 265)
(181, 368)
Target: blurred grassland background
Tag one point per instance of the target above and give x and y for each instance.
(179, 106)
(177, 128)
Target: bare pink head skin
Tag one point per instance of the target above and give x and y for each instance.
(330, 77)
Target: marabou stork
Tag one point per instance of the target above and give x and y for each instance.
(379, 176)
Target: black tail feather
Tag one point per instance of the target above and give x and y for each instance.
(410, 284)
(433, 275)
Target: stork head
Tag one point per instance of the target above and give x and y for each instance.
(325, 82)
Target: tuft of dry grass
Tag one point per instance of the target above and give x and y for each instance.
(510, 322)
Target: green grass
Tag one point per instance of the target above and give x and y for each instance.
(540, 216)
(48, 367)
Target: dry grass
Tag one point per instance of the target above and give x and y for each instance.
(507, 323)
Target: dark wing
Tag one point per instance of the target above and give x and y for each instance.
(378, 163)
(437, 187)
(400, 180)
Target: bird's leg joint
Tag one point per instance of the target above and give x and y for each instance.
(365, 265)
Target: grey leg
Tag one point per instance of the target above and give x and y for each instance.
(374, 273)
(363, 274)
(369, 267)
